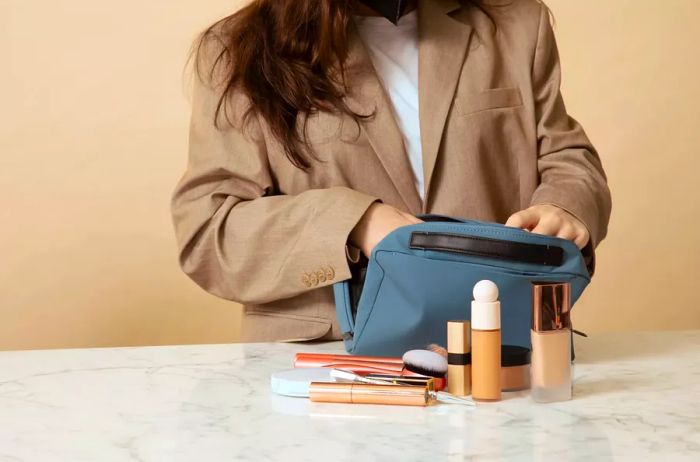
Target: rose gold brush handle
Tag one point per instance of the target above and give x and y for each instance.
(356, 393)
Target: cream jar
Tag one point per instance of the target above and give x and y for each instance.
(515, 368)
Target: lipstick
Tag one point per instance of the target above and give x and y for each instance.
(459, 369)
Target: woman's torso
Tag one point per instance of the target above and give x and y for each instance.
(478, 136)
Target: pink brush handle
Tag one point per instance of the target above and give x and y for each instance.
(355, 366)
(362, 365)
(345, 358)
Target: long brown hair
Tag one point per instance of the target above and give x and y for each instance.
(287, 57)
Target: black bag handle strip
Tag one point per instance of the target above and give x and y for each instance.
(539, 254)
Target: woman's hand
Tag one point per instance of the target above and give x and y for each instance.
(378, 221)
(551, 221)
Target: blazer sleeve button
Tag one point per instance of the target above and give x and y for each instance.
(306, 280)
(313, 278)
(330, 273)
(321, 275)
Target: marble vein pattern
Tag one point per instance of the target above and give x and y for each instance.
(636, 398)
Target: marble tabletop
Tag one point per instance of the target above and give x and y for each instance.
(636, 397)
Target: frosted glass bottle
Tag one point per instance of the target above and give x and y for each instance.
(550, 370)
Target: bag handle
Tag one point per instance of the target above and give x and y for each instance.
(539, 254)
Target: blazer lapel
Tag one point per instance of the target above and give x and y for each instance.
(442, 49)
(366, 95)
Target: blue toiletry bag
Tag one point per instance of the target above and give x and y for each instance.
(421, 276)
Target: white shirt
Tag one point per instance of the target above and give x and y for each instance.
(394, 54)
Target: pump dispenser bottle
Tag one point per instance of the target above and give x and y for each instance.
(486, 342)
(550, 371)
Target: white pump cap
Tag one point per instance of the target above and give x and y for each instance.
(486, 309)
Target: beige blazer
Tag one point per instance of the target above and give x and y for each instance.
(496, 139)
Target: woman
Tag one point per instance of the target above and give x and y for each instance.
(319, 127)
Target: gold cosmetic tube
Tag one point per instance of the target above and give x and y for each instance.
(357, 393)
(459, 368)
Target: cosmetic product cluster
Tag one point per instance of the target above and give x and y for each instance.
(475, 363)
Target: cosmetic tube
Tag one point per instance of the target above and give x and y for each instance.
(359, 393)
(459, 368)
(551, 342)
(486, 342)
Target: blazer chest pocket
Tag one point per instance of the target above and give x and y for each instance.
(494, 98)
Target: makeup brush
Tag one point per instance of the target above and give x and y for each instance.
(443, 397)
(425, 362)
(442, 351)
(421, 362)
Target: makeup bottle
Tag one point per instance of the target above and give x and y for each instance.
(551, 342)
(459, 369)
(486, 342)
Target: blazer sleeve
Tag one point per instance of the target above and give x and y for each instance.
(571, 173)
(236, 238)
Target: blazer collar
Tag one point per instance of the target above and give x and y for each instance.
(367, 96)
(443, 44)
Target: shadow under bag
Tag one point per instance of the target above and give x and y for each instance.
(421, 276)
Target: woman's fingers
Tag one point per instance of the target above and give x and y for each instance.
(412, 219)
(574, 233)
(548, 225)
(568, 231)
(582, 238)
(551, 220)
(525, 219)
(379, 220)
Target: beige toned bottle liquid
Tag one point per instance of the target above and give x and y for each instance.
(486, 342)
(550, 371)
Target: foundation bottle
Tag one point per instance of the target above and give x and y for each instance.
(486, 342)
(550, 371)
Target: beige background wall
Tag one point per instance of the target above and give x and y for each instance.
(93, 130)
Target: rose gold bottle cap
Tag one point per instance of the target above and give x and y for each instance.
(551, 306)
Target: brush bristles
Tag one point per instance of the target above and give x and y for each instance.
(438, 349)
(424, 362)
